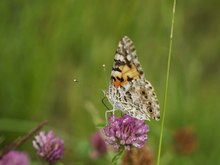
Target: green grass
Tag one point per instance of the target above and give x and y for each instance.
(166, 83)
(44, 45)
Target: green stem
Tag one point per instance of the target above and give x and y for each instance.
(117, 156)
(166, 84)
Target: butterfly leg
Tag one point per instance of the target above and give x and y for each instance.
(104, 103)
(106, 114)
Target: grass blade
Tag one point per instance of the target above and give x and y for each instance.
(166, 84)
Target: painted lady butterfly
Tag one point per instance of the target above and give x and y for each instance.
(128, 90)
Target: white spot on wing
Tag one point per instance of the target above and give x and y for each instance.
(129, 57)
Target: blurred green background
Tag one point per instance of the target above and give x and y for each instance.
(45, 45)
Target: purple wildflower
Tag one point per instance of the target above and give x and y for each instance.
(98, 145)
(125, 132)
(15, 158)
(48, 146)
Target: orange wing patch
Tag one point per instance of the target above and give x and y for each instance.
(125, 74)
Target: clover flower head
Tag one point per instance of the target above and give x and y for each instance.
(138, 156)
(15, 158)
(126, 132)
(98, 145)
(185, 140)
(49, 147)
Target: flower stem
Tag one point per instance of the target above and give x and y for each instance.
(16, 143)
(166, 84)
(117, 156)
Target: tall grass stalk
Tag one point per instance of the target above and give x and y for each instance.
(166, 84)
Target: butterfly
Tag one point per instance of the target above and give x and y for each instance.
(128, 90)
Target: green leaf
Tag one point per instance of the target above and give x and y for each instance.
(117, 156)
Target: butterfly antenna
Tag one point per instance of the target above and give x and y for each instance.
(106, 81)
(104, 103)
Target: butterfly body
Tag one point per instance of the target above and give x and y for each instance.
(128, 90)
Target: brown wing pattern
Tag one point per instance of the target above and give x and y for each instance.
(126, 66)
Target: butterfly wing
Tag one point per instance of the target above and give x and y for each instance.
(129, 91)
(126, 66)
